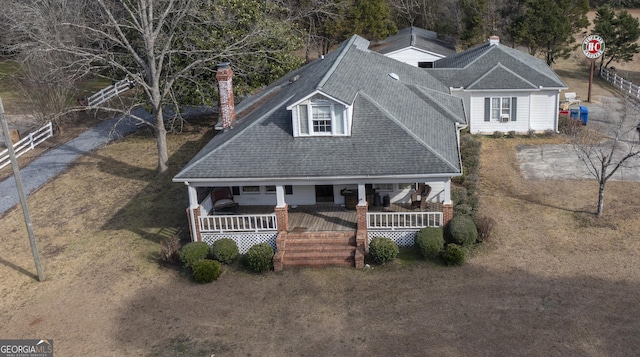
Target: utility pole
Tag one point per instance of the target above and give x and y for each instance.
(23, 198)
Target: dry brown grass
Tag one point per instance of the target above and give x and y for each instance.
(551, 280)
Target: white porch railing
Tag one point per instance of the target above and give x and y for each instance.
(627, 87)
(238, 223)
(27, 143)
(110, 92)
(403, 220)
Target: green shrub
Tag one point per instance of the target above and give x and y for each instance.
(453, 254)
(430, 241)
(260, 257)
(206, 271)
(463, 230)
(193, 252)
(383, 250)
(497, 134)
(511, 134)
(224, 250)
(485, 225)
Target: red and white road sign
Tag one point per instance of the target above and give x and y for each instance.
(593, 46)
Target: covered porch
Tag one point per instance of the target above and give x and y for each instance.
(335, 218)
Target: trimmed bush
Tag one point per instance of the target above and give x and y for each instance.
(260, 257)
(224, 250)
(383, 250)
(463, 230)
(430, 241)
(193, 252)
(498, 134)
(453, 254)
(206, 271)
(485, 225)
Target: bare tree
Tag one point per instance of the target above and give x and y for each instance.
(321, 21)
(157, 44)
(612, 150)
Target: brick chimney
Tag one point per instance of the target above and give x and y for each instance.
(224, 76)
(494, 40)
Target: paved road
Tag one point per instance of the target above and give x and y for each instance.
(57, 160)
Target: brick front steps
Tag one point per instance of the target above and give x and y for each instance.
(315, 249)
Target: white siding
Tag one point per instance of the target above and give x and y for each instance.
(544, 110)
(306, 195)
(476, 113)
(412, 56)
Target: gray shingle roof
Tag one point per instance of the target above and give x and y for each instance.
(495, 67)
(400, 127)
(415, 37)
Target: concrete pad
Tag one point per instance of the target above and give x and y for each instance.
(560, 162)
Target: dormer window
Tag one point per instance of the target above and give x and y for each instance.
(319, 116)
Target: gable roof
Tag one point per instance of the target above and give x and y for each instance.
(400, 127)
(418, 38)
(494, 66)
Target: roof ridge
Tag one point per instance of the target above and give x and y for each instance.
(494, 68)
(526, 64)
(404, 127)
(425, 91)
(337, 61)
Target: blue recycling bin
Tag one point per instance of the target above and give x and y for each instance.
(574, 114)
(584, 114)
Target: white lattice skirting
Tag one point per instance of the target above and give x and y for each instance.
(243, 240)
(401, 238)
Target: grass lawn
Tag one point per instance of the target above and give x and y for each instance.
(552, 280)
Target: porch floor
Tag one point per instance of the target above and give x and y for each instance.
(329, 217)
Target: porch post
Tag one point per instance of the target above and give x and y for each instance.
(281, 210)
(193, 212)
(447, 205)
(362, 194)
(447, 191)
(280, 196)
(362, 242)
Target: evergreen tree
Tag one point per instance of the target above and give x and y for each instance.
(620, 32)
(372, 19)
(547, 26)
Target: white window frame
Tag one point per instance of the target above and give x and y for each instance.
(383, 187)
(307, 107)
(497, 111)
(407, 186)
(244, 192)
(313, 118)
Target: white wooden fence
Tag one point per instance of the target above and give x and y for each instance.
(110, 92)
(238, 223)
(627, 87)
(27, 143)
(403, 220)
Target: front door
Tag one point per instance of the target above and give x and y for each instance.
(324, 193)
